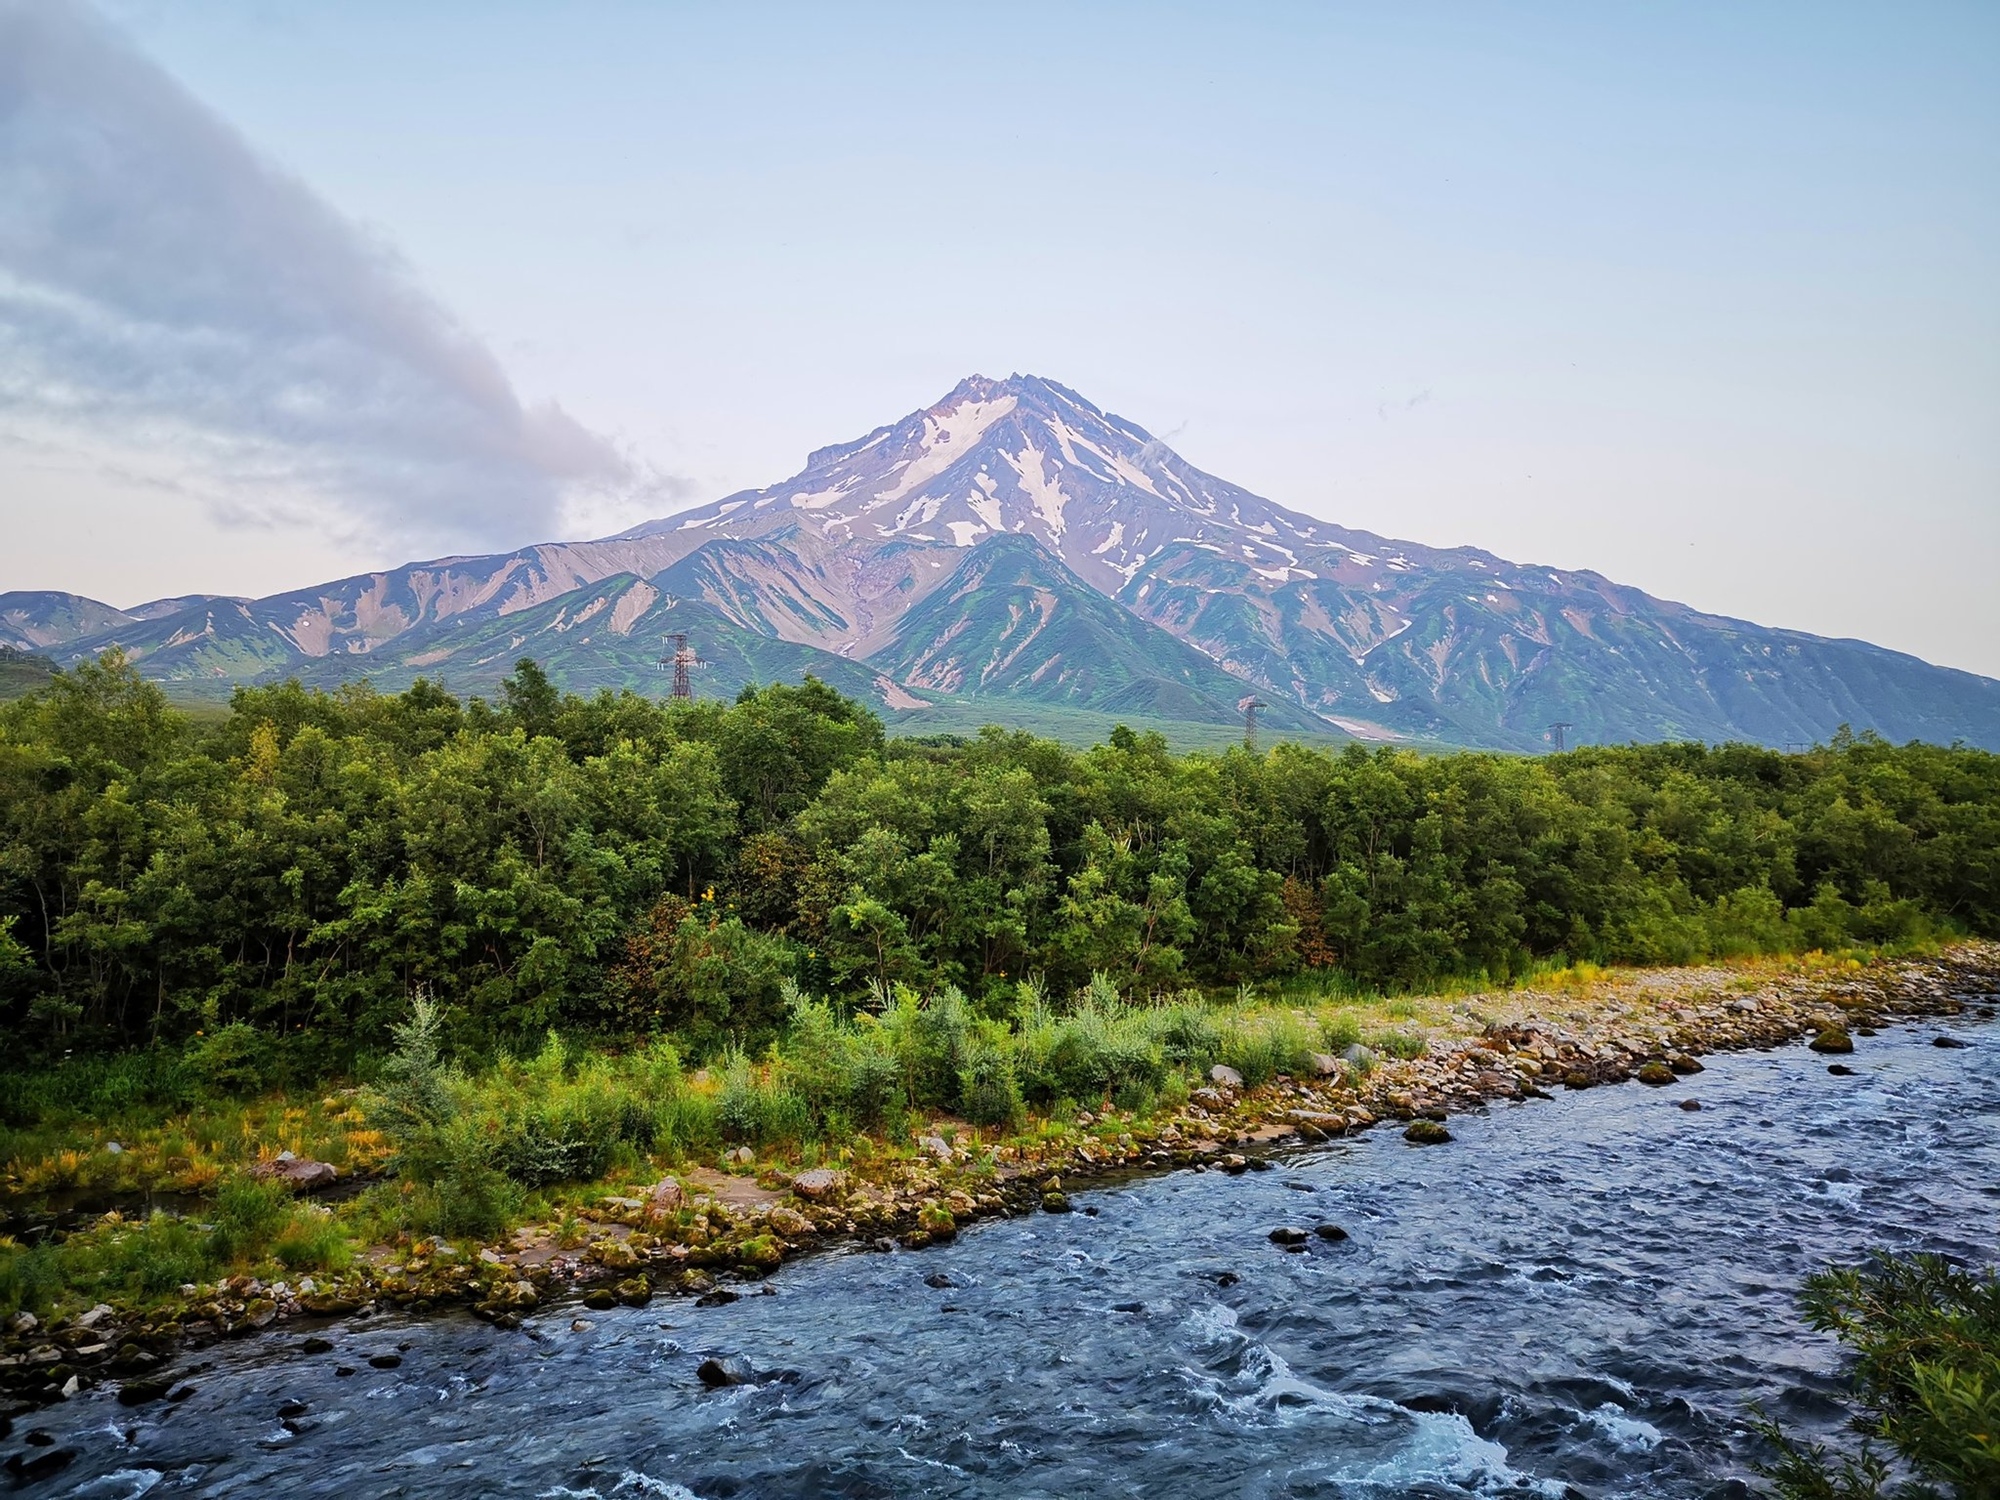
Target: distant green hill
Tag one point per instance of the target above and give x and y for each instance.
(21, 672)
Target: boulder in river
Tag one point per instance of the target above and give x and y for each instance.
(1331, 1232)
(1690, 1104)
(1655, 1074)
(1426, 1133)
(724, 1369)
(1948, 1041)
(1055, 1203)
(1840, 1070)
(1832, 1039)
(1288, 1234)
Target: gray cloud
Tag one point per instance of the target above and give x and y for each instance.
(162, 284)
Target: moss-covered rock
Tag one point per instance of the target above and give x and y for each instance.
(1426, 1133)
(1655, 1074)
(1832, 1039)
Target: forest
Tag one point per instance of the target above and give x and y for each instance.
(271, 890)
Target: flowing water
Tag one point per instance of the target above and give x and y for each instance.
(1579, 1295)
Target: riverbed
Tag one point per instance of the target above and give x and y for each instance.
(1577, 1295)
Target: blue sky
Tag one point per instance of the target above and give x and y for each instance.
(1704, 297)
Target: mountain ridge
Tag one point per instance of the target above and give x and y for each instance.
(1357, 632)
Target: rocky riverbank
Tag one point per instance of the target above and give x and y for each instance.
(714, 1234)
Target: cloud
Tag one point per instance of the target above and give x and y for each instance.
(165, 287)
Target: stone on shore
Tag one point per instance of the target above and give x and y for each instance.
(818, 1183)
(664, 1202)
(1225, 1076)
(299, 1173)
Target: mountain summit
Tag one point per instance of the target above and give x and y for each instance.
(877, 562)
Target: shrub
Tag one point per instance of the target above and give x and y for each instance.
(1404, 1043)
(30, 1277)
(988, 1087)
(313, 1241)
(1341, 1030)
(248, 1216)
(461, 1191)
(1926, 1338)
(235, 1062)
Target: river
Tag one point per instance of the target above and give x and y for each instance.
(1578, 1295)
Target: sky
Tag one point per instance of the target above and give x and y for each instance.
(1704, 297)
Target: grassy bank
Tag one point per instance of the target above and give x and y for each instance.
(467, 1155)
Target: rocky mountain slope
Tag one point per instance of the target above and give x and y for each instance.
(1127, 581)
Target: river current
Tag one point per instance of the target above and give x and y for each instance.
(1580, 1295)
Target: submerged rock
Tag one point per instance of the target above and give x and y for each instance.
(1690, 1104)
(1332, 1232)
(727, 1369)
(1288, 1234)
(1948, 1041)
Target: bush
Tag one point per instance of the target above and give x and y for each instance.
(1926, 1339)
(461, 1191)
(313, 1241)
(1404, 1043)
(248, 1216)
(988, 1087)
(1341, 1030)
(235, 1062)
(31, 1278)
(757, 1108)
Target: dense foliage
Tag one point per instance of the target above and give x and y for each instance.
(300, 870)
(1926, 1340)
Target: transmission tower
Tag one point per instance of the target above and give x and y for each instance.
(1250, 707)
(681, 660)
(1556, 731)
